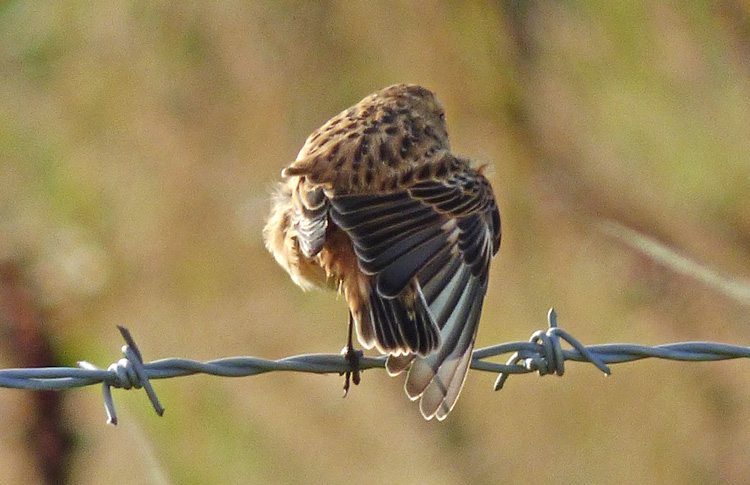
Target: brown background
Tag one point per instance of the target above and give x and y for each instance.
(138, 145)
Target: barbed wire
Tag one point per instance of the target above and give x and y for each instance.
(543, 353)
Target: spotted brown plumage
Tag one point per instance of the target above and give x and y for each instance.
(376, 206)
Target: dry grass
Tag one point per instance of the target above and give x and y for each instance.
(138, 142)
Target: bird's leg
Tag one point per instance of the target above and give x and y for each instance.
(352, 356)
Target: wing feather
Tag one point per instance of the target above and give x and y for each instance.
(434, 239)
(310, 218)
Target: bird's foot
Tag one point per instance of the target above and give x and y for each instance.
(352, 356)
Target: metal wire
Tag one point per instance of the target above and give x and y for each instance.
(543, 353)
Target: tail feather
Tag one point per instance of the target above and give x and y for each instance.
(437, 379)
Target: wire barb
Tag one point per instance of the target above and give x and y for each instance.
(126, 373)
(548, 358)
(542, 353)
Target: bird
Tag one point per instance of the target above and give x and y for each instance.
(377, 207)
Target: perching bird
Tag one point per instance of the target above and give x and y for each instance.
(376, 206)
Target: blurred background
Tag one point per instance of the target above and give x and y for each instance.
(139, 142)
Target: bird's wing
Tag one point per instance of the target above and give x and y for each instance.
(441, 234)
(310, 218)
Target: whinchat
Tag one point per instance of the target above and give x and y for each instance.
(377, 207)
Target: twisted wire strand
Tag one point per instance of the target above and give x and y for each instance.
(543, 353)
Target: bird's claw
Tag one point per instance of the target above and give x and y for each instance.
(352, 356)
